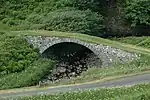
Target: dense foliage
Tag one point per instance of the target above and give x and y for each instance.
(19, 62)
(32, 14)
(19, 10)
(28, 77)
(138, 12)
(15, 54)
(140, 92)
(93, 5)
(28, 14)
(69, 20)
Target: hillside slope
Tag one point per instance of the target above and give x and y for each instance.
(143, 41)
(35, 71)
(83, 37)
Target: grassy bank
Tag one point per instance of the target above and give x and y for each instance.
(35, 72)
(38, 69)
(28, 77)
(139, 92)
(135, 67)
(83, 37)
(143, 41)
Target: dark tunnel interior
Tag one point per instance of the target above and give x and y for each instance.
(71, 58)
(67, 52)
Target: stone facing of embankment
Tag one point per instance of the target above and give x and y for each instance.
(108, 55)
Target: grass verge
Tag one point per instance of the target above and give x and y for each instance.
(137, 66)
(139, 92)
(94, 75)
(34, 88)
(30, 76)
(143, 41)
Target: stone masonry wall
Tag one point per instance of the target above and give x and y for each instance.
(107, 54)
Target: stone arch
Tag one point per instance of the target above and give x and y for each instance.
(107, 54)
(76, 49)
(64, 40)
(43, 43)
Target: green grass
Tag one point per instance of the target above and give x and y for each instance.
(135, 67)
(130, 40)
(31, 76)
(143, 41)
(86, 38)
(4, 27)
(92, 74)
(28, 77)
(139, 92)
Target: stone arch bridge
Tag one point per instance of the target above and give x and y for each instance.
(107, 54)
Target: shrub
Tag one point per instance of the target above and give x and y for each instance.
(15, 54)
(3, 27)
(34, 18)
(30, 76)
(11, 21)
(30, 12)
(138, 12)
(93, 5)
(51, 5)
(85, 22)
